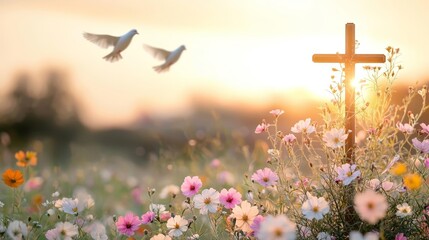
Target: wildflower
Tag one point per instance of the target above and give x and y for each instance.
(370, 206)
(148, 217)
(422, 146)
(244, 215)
(191, 186)
(13, 178)
(17, 230)
(400, 236)
(304, 231)
(375, 184)
(354, 235)
(277, 112)
(161, 236)
(169, 191)
(426, 162)
(62, 230)
(399, 169)
(404, 210)
(1, 204)
(278, 227)
(413, 181)
(26, 159)
(314, 208)
(194, 237)
(215, 163)
(425, 128)
(256, 225)
(303, 127)
(177, 226)
(229, 198)
(405, 128)
(289, 139)
(324, 236)
(71, 206)
(225, 177)
(207, 201)
(347, 173)
(97, 231)
(263, 127)
(128, 224)
(335, 138)
(156, 208)
(55, 194)
(164, 216)
(266, 177)
(33, 183)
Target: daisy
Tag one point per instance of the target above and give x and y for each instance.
(347, 173)
(169, 191)
(370, 206)
(244, 215)
(17, 230)
(335, 138)
(422, 146)
(128, 224)
(28, 158)
(266, 177)
(13, 178)
(404, 210)
(277, 228)
(190, 186)
(161, 236)
(229, 198)
(303, 127)
(314, 208)
(207, 201)
(177, 226)
(405, 128)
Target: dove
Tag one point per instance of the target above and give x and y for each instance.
(169, 57)
(119, 43)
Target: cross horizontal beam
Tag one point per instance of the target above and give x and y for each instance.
(342, 58)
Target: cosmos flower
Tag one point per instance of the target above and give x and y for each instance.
(128, 224)
(17, 230)
(33, 183)
(177, 226)
(266, 177)
(347, 173)
(97, 231)
(256, 224)
(398, 169)
(303, 127)
(277, 228)
(63, 231)
(28, 158)
(169, 191)
(400, 236)
(404, 210)
(277, 112)
(289, 139)
(13, 178)
(314, 207)
(207, 201)
(229, 198)
(324, 236)
(244, 215)
(370, 206)
(191, 186)
(335, 138)
(148, 217)
(425, 128)
(422, 146)
(355, 235)
(405, 128)
(161, 236)
(413, 181)
(263, 127)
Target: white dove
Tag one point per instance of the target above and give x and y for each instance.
(105, 41)
(169, 57)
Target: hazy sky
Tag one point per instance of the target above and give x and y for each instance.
(237, 50)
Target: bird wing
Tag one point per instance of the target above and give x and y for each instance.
(101, 40)
(157, 53)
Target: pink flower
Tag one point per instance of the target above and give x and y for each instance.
(261, 128)
(422, 146)
(277, 112)
(148, 217)
(303, 127)
(426, 162)
(400, 236)
(256, 224)
(128, 224)
(215, 163)
(405, 128)
(164, 216)
(266, 177)
(425, 128)
(371, 206)
(229, 198)
(190, 186)
(33, 183)
(289, 139)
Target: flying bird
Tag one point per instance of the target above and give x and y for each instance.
(169, 57)
(119, 43)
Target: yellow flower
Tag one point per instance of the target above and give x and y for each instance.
(399, 169)
(13, 178)
(25, 159)
(413, 181)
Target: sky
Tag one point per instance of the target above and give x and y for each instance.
(237, 50)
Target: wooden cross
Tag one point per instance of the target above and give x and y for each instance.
(349, 59)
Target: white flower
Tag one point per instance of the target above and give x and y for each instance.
(354, 235)
(55, 194)
(156, 208)
(17, 230)
(97, 231)
(1, 204)
(65, 230)
(207, 201)
(335, 138)
(160, 236)
(177, 226)
(71, 206)
(244, 215)
(314, 208)
(84, 198)
(404, 210)
(194, 237)
(370, 206)
(375, 184)
(278, 227)
(347, 173)
(304, 127)
(169, 191)
(324, 236)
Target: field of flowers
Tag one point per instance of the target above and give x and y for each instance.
(298, 184)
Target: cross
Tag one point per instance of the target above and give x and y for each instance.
(349, 59)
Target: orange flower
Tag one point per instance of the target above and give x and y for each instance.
(25, 159)
(13, 178)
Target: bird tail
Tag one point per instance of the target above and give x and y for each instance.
(161, 68)
(113, 57)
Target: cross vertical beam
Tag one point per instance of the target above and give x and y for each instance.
(349, 59)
